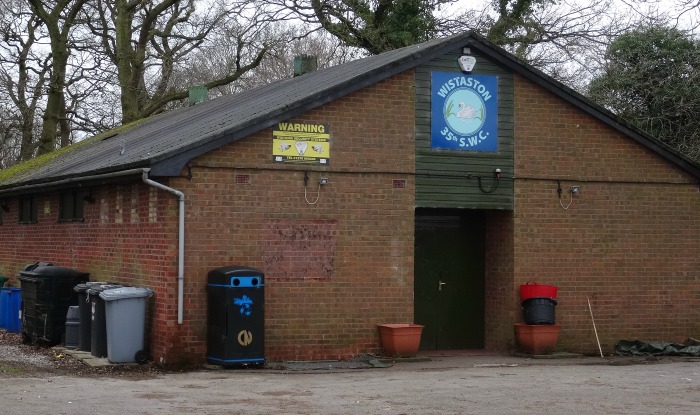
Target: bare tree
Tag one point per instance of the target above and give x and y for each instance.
(8, 137)
(286, 41)
(92, 95)
(565, 39)
(373, 25)
(147, 40)
(59, 18)
(23, 76)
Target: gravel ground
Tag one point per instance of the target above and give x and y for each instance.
(25, 360)
(40, 380)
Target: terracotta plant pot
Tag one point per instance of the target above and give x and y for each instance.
(400, 340)
(536, 339)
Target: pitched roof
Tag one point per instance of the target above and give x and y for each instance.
(166, 142)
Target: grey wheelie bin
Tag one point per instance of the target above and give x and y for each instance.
(125, 313)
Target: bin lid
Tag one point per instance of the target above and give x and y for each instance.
(96, 289)
(125, 292)
(52, 271)
(32, 267)
(73, 312)
(223, 275)
(80, 288)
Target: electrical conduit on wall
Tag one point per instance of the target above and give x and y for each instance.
(181, 240)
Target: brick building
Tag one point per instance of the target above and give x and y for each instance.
(446, 190)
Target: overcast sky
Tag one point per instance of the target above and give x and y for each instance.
(672, 9)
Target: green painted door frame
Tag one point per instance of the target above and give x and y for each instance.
(449, 278)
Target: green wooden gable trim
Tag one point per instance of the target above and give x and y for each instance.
(450, 178)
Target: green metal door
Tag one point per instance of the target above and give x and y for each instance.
(449, 278)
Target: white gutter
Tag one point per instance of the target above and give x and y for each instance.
(181, 241)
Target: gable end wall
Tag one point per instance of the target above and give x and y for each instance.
(628, 241)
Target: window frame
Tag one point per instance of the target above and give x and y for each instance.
(71, 206)
(27, 210)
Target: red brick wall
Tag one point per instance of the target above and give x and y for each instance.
(629, 240)
(498, 252)
(334, 269)
(126, 237)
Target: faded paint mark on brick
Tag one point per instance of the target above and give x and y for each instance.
(152, 205)
(134, 217)
(300, 250)
(118, 206)
(104, 210)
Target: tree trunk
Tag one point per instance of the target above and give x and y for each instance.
(63, 124)
(55, 104)
(130, 60)
(26, 149)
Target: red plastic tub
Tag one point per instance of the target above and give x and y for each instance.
(535, 290)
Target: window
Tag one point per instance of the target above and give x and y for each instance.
(3, 209)
(27, 210)
(71, 206)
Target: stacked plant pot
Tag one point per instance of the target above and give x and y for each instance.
(538, 333)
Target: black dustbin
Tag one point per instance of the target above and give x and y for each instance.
(85, 313)
(98, 322)
(539, 310)
(235, 316)
(47, 292)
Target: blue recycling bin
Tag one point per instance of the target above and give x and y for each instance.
(10, 306)
(235, 316)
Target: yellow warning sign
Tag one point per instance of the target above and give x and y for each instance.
(301, 143)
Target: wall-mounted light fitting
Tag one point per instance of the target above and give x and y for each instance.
(573, 190)
(321, 181)
(494, 186)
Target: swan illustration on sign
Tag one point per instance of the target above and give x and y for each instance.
(467, 112)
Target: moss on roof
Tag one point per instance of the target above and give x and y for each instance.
(16, 171)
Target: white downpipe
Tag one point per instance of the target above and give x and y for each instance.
(181, 241)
